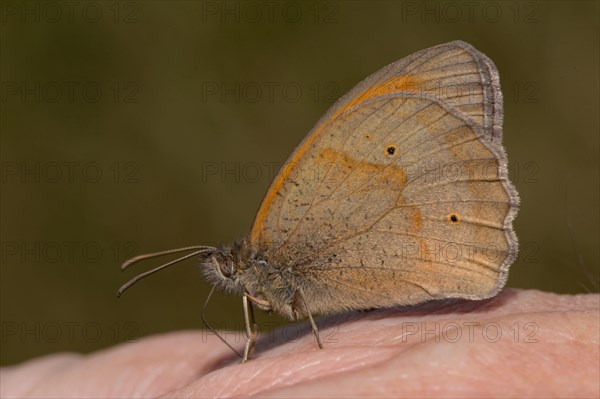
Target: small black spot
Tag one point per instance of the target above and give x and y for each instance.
(391, 150)
(453, 218)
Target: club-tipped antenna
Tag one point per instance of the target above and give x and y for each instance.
(140, 258)
(159, 268)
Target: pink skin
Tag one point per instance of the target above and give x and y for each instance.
(387, 353)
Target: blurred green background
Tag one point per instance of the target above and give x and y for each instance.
(129, 127)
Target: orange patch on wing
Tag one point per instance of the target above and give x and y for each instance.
(380, 175)
(417, 219)
(406, 83)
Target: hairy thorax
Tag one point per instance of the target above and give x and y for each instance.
(240, 270)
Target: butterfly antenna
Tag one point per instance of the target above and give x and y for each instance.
(212, 329)
(162, 253)
(159, 268)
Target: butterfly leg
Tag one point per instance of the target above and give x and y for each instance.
(250, 328)
(313, 325)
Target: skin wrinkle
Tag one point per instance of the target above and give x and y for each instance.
(52, 364)
(283, 377)
(221, 382)
(123, 380)
(567, 351)
(470, 379)
(294, 369)
(249, 379)
(368, 360)
(148, 381)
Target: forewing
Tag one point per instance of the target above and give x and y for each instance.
(398, 196)
(453, 73)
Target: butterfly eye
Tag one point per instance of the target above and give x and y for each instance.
(226, 272)
(225, 268)
(390, 150)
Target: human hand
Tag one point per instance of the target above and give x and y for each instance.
(518, 344)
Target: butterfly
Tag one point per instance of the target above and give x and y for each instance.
(398, 195)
